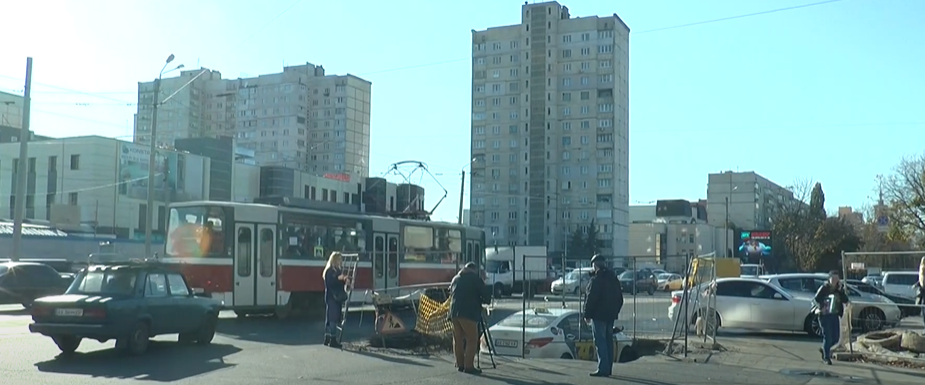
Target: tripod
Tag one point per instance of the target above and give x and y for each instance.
(486, 334)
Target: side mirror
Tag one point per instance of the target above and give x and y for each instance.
(198, 291)
(570, 337)
(778, 296)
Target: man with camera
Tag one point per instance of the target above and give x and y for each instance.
(467, 295)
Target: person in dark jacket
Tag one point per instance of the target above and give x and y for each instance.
(467, 295)
(602, 308)
(335, 294)
(830, 301)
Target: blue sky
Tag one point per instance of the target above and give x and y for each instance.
(831, 92)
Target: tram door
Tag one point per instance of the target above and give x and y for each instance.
(245, 252)
(385, 261)
(265, 279)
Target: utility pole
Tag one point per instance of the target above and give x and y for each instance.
(726, 230)
(462, 192)
(152, 159)
(21, 180)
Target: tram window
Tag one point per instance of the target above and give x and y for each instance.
(318, 240)
(393, 257)
(379, 246)
(244, 252)
(419, 243)
(266, 253)
(468, 253)
(196, 232)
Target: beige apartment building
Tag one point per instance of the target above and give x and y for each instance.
(550, 134)
(300, 118)
(748, 200)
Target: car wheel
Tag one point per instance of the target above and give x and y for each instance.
(651, 290)
(566, 356)
(812, 326)
(872, 319)
(207, 330)
(577, 290)
(498, 289)
(140, 339)
(67, 344)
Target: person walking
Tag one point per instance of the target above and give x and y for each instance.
(602, 307)
(830, 302)
(467, 295)
(919, 288)
(335, 294)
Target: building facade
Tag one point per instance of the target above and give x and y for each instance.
(299, 118)
(99, 183)
(550, 136)
(666, 233)
(747, 199)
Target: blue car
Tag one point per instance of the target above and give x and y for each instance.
(128, 302)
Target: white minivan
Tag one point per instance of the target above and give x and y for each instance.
(900, 283)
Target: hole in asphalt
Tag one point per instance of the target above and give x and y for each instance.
(818, 373)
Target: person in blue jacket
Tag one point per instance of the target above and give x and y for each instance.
(335, 294)
(602, 308)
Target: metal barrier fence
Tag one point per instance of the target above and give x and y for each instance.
(893, 275)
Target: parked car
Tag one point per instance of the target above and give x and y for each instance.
(900, 283)
(749, 303)
(873, 280)
(636, 281)
(906, 305)
(574, 282)
(548, 333)
(23, 282)
(130, 303)
(870, 312)
(670, 282)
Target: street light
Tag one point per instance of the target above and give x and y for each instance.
(149, 212)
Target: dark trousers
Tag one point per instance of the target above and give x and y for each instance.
(333, 314)
(465, 342)
(602, 331)
(831, 333)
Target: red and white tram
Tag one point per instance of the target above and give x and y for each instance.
(262, 258)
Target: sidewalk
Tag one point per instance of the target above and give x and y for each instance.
(768, 355)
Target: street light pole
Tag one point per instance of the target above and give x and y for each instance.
(24, 136)
(726, 230)
(152, 148)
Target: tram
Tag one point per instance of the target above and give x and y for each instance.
(269, 258)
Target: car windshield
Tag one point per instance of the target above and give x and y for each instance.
(533, 321)
(749, 270)
(574, 275)
(627, 275)
(494, 266)
(104, 282)
(664, 276)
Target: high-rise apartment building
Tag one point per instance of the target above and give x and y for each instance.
(550, 137)
(299, 118)
(745, 199)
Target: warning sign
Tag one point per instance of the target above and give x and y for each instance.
(388, 323)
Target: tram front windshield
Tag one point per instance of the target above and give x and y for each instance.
(196, 232)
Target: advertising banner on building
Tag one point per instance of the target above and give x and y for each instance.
(173, 173)
(753, 245)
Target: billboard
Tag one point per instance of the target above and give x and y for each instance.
(177, 177)
(753, 245)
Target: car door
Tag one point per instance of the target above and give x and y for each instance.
(573, 331)
(732, 304)
(159, 304)
(187, 313)
(770, 308)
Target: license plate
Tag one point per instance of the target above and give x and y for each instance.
(69, 312)
(506, 343)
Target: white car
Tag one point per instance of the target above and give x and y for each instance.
(549, 333)
(574, 282)
(870, 312)
(750, 303)
(900, 283)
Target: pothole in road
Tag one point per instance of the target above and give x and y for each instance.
(820, 374)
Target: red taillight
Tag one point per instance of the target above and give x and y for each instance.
(40, 311)
(676, 299)
(95, 313)
(539, 342)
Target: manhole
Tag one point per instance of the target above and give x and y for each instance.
(818, 373)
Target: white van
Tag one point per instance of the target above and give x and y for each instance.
(900, 283)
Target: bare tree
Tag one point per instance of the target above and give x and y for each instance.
(904, 190)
